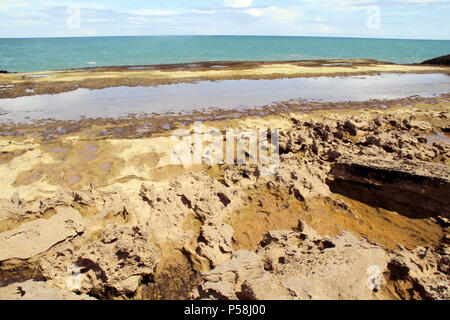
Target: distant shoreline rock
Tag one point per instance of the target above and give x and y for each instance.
(443, 61)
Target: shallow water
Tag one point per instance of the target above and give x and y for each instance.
(229, 94)
(37, 76)
(438, 137)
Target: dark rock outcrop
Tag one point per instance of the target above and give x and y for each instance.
(414, 188)
(443, 61)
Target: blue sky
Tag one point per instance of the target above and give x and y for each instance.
(409, 19)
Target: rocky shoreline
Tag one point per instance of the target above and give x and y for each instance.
(358, 209)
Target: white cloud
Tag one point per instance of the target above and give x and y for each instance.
(6, 5)
(255, 12)
(338, 5)
(152, 12)
(300, 17)
(339, 2)
(238, 3)
(36, 5)
(354, 4)
(275, 13)
(203, 11)
(137, 21)
(421, 1)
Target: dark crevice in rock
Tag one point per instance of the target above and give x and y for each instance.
(401, 285)
(224, 199)
(400, 201)
(186, 201)
(173, 280)
(87, 264)
(414, 189)
(17, 270)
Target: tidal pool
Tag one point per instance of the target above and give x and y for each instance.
(228, 94)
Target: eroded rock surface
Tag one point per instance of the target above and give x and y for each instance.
(34, 290)
(116, 263)
(422, 273)
(300, 265)
(141, 232)
(40, 235)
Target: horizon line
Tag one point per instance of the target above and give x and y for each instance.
(222, 35)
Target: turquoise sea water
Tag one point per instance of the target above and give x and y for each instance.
(39, 54)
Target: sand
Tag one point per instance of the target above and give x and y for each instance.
(25, 84)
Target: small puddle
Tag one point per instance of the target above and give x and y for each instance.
(58, 150)
(89, 152)
(438, 137)
(6, 87)
(337, 64)
(105, 132)
(105, 167)
(73, 179)
(143, 130)
(37, 76)
(166, 126)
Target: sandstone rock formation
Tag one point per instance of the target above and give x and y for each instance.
(116, 263)
(420, 274)
(34, 290)
(215, 244)
(38, 236)
(300, 265)
(118, 241)
(195, 193)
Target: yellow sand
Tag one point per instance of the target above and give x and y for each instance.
(278, 70)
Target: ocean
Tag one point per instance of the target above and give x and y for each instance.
(40, 54)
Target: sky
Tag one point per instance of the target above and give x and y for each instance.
(398, 19)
